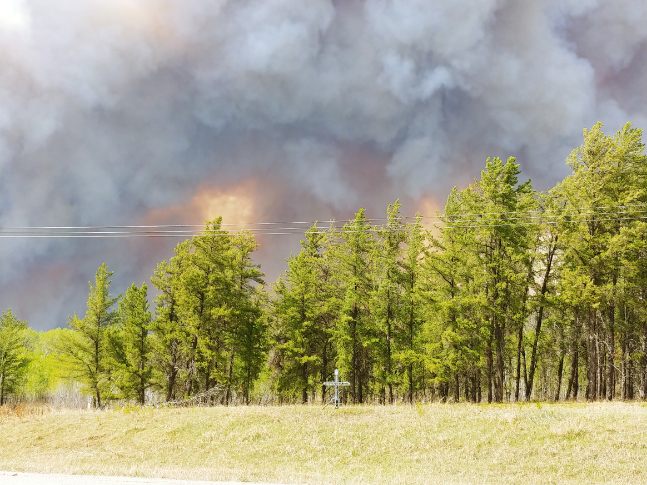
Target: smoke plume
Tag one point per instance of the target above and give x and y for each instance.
(130, 111)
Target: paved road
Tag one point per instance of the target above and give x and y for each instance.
(9, 478)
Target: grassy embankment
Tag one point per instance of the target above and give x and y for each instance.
(551, 443)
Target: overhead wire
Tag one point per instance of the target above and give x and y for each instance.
(293, 231)
(625, 212)
(437, 215)
(440, 215)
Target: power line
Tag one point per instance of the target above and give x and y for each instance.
(287, 231)
(155, 226)
(438, 215)
(626, 212)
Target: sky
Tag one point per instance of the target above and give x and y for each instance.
(120, 112)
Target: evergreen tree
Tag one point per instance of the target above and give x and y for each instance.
(386, 307)
(409, 353)
(248, 343)
(541, 264)
(210, 328)
(504, 245)
(204, 288)
(631, 244)
(516, 294)
(169, 336)
(456, 330)
(131, 344)
(303, 332)
(601, 198)
(88, 345)
(356, 337)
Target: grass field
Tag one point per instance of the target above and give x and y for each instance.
(550, 443)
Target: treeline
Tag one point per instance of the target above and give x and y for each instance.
(511, 294)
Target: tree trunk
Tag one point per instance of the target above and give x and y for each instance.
(170, 386)
(171, 375)
(360, 387)
(190, 367)
(411, 328)
(602, 361)
(522, 322)
(518, 376)
(142, 391)
(230, 378)
(490, 368)
(576, 376)
(540, 315)
(611, 371)
(560, 370)
(353, 371)
(97, 368)
(324, 371)
(304, 376)
(410, 378)
(444, 391)
(592, 361)
(248, 385)
(389, 365)
(625, 368)
(2, 385)
(644, 362)
(500, 345)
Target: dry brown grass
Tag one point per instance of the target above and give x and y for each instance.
(23, 410)
(556, 443)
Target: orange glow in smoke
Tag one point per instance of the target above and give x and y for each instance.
(236, 205)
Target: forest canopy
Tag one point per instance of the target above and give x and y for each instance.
(513, 294)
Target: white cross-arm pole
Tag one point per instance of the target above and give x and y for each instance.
(336, 388)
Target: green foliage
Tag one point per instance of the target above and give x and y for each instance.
(515, 294)
(356, 336)
(87, 346)
(304, 316)
(210, 329)
(14, 353)
(131, 345)
(48, 368)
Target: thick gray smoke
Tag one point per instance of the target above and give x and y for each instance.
(121, 111)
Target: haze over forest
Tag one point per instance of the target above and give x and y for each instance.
(166, 112)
